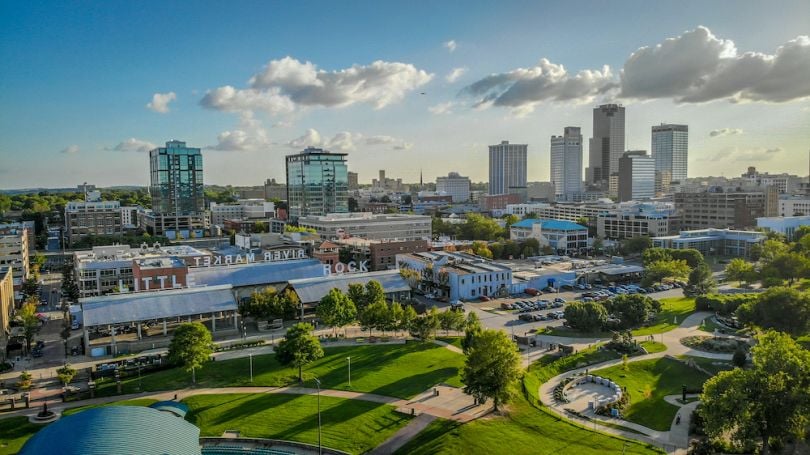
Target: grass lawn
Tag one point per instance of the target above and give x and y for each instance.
(548, 366)
(713, 366)
(709, 325)
(397, 370)
(672, 309)
(653, 346)
(350, 425)
(647, 382)
(523, 430)
(455, 341)
(14, 431)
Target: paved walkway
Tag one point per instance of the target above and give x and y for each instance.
(405, 434)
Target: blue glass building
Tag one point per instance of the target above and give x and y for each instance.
(317, 183)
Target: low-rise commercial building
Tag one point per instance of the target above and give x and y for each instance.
(492, 202)
(381, 254)
(635, 220)
(785, 225)
(14, 253)
(721, 209)
(243, 209)
(565, 237)
(724, 242)
(794, 206)
(84, 218)
(454, 275)
(454, 185)
(311, 290)
(369, 226)
(6, 303)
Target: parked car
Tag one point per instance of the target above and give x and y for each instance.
(506, 306)
(484, 298)
(526, 317)
(539, 317)
(559, 300)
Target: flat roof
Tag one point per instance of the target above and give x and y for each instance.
(314, 289)
(258, 273)
(144, 306)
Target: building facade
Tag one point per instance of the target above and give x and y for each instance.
(737, 209)
(371, 226)
(243, 209)
(607, 144)
(564, 237)
(6, 303)
(670, 149)
(317, 183)
(176, 187)
(354, 184)
(724, 242)
(566, 164)
(785, 225)
(628, 221)
(455, 186)
(507, 168)
(636, 176)
(794, 206)
(92, 218)
(455, 276)
(14, 254)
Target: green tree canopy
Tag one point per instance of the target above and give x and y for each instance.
(701, 281)
(768, 403)
(451, 320)
(336, 309)
(492, 368)
(299, 347)
(779, 308)
(661, 270)
(788, 266)
(424, 326)
(30, 322)
(586, 316)
(472, 328)
(191, 347)
(632, 309)
(740, 270)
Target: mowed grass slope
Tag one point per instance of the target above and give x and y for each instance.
(350, 425)
(648, 382)
(397, 370)
(673, 311)
(523, 430)
(14, 431)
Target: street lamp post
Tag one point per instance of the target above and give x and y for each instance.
(350, 371)
(318, 382)
(251, 367)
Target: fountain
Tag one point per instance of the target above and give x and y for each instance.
(44, 416)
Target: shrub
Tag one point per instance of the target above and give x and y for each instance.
(724, 304)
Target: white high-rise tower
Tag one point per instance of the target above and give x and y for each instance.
(566, 164)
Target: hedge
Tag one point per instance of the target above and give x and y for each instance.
(724, 304)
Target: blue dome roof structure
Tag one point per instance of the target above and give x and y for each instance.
(113, 430)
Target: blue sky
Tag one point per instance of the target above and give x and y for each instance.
(77, 77)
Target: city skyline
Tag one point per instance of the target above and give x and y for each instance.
(441, 97)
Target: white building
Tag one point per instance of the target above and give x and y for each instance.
(243, 209)
(785, 225)
(566, 164)
(368, 225)
(564, 237)
(507, 168)
(670, 149)
(794, 206)
(636, 176)
(458, 275)
(725, 242)
(454, 185)
(635, 219)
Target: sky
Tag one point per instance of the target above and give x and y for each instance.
(87, 88)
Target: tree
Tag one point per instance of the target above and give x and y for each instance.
(451, 320)
(374, 316)
(299, 347)
(411, 276)
(770, 249)
(633, 309)
(424, 327)
(66, 374)
(779, 308)
(374, 292)
(472, 328)
(357, 294)
(788, 266)
(660, 270)
(30, 321)
(395, 315)
(492, 368)
(408, 316)
(651, 255)
(36, 262)
(740, 270)
(481, 249)
(701, 281)
(739, 357)
(635, 245)
(586, 316)
(30, 287)
(191, 347)
(336, 309)
(769, 402)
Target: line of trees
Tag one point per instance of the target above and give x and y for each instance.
(621, 312)
(661, 264)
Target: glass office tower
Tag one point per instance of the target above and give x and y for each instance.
(670, 148)
(176, 173)
(317, 183)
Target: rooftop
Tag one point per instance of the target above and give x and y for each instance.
(255, 274)
(557, 225)
(314, 289)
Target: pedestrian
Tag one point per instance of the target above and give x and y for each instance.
(678, 420)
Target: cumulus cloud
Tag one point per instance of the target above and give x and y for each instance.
(70, 150)
(249, 136)
(442, 108)
(697, 67)
(346, 141)
(455, 74)
(725, 132)
(450, 45)
(523, 88)
(746, 155)
(133, 145)
(160, 102)
(287, 84)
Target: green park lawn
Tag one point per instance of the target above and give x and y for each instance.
(548, 366)
(350, 425)
(648, 382)
(653, 346)
(455, 341)
(14, 431)
(713, 366)
(397, 370)
(524, 429)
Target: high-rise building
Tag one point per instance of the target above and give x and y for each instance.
(636, 176)
(507, 168)
(607, 144)
(176, 187)
(317, 183)
(353, 183)
(454, 185)
(670, 148)
(566, 164)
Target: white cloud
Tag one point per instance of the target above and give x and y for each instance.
(403, 146)
(455, 74)
(133, 145)
(70, 150)
(249, 136)
(697, 67)
(746, 155)
(523, 88)
(310, 138)
(160, 102)
(450, 45)
(725, 132)
(346, 141)
(286, 84)
(442, 108)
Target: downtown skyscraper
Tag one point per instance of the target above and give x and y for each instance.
(670, 148)
(566, 164)
(606, 145)
(317, 183)
(507, 168)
